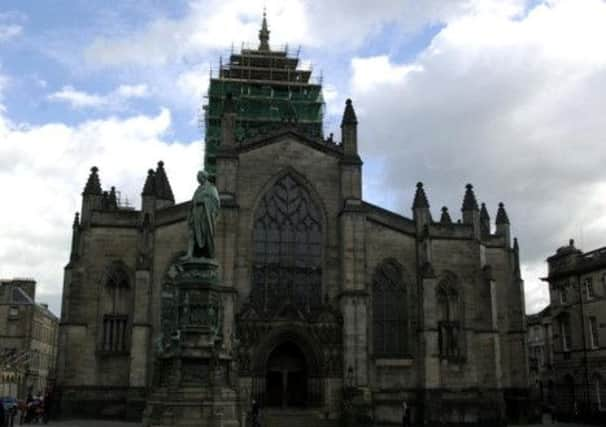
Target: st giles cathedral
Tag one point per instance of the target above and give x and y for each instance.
(310, 302)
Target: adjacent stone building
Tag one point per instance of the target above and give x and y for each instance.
(28, 340)
(327, 299)
(540, 354)
(577, 290)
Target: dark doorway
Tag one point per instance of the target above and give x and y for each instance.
(286, 379)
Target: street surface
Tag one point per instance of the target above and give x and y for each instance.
(95, 423)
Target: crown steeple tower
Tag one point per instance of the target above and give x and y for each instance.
(269, 89)
(264, 34)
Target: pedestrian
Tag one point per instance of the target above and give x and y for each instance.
(255, 414)
(13, 413)
(2, 413)
(552, 409)
(48, 403)
(404, 413)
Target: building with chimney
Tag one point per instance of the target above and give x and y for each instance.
(577, 291)
(28, 340)
(332, 307)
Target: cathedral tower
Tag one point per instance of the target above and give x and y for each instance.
(269, 88)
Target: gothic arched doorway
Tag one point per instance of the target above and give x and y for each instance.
(286, 376)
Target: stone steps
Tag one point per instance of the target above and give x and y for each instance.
(294, 418)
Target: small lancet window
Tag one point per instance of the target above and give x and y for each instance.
(449, 323)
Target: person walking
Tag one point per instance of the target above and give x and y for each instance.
(2, 414)
(404, 413)
(48, 406)
(255, 414)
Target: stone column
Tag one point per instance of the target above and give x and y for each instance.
(354, 295)
(139, 344)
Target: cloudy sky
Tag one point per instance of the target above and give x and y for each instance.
(507, 95)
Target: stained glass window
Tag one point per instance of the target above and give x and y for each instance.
(389, 310)
(287, 248)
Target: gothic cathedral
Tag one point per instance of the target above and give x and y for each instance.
(331, 308)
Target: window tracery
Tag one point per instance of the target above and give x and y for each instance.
(116, 307)
(389, 310)
(287, 239)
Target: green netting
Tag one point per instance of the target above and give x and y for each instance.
(258, 108)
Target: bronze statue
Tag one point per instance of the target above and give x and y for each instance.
(202, 218)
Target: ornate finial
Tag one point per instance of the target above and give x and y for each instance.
(149, 189)
(445, 218)
(264, 33)
(113, 199)
(349, 115)
(162, 186)
(502, 215)
(93, 185)
(420, 200)
(76, 219)
(469, 201)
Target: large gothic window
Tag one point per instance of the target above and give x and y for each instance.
(449, 323)
(287, 248)
(389, 310)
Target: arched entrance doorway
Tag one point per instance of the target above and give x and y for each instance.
(286, 377)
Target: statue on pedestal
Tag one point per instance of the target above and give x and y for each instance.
(202, 218)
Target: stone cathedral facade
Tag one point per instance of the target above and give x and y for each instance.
(331, 307)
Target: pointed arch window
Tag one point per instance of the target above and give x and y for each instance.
(287, 242)
(116, 306)
(390, 318)
(449, 318)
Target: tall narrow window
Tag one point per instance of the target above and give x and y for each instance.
(449, 324)
(594, 339)
(565, 333)
(588, 287)
(117, 305)
(390, 318)
(598, 390)
(287, 239)
(563, 295)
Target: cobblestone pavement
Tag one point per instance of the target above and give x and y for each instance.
(100, 423)
(85, 423)
(96, 423)
(549, 424)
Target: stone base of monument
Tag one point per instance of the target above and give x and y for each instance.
(193, 380)
(192, 407)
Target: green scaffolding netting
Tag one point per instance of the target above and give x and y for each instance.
(260, 107)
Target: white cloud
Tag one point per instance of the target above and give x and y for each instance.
(215, 24)
(44, 168)
(511, 103)
(114, 100)
(370, 71)
(193, 84)
(8, 31)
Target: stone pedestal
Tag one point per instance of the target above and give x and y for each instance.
(192, 385)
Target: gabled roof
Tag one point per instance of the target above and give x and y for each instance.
(293, 133)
